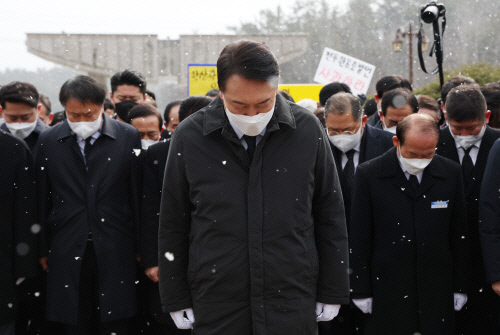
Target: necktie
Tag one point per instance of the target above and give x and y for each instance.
(87, 148)
(251, 145)
(467, 167)
(348, 171)
(414, 182)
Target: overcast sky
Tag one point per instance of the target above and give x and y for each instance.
(165, 18)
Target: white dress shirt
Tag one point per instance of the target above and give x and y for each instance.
(355, 158)
(472, 153)
(242, 140)
(407, 174)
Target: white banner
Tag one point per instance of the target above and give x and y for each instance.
(336, 66)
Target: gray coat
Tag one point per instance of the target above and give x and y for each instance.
(252, 246)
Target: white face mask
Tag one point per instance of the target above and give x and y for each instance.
(85, 129)
(147, 143)
(347, 142)
(250, 125)
(2, 121)
(22, 130)
(468, 141)
(391, 129)
(414, 165)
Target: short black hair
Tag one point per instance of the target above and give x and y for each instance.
(491, 93)
(44, 100)
(166, 113)
(108, 104)
(466, 103)
(144, 110)
(192, 104)
(455, 82)
(425, 122)
(398, 98)
(19, 92)
(286, 95)
(128, 77)
(331, 89)
(342, 103)
(84, 89)
(213, 93)
(249, 59)
(122, 109)
(370, 107)
(388, 83)
(151, 94)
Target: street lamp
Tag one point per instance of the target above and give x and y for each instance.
(397, 45)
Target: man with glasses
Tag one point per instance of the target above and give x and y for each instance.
(352, 142)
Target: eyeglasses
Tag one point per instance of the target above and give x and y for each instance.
(333, 133)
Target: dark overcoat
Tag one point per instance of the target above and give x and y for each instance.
(374, 143)
(408, 249)
(104, 199)
(489, 215)
(480, 314)
(252, 246)
(155, 160)
(18, 221)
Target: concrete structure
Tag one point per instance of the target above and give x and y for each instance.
(159, 60)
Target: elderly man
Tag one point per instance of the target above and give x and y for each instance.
(252, 236)
(408, 235)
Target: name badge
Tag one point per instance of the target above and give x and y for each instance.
(439, 204)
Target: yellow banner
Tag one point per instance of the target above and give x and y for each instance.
(302, 91)
(201, 78)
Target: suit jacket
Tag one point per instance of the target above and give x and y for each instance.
(408, 249)
(103, 199)
(18, 233)
(154, 169)
(448, 149)
(33, 137)
(489, 215)
(373, 144)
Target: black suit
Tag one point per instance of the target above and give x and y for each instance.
(480, 314)
(408, 250)
(104, 199)
(373, 144)
(33, 137)
(155, 161)
(18, 244)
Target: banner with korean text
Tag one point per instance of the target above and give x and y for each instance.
(336, 66)
(201, 78)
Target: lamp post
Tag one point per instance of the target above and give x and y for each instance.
(397, 45)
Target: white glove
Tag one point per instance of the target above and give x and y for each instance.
(326, 312)
(460, 300)
(365, 305)
(182, 322)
